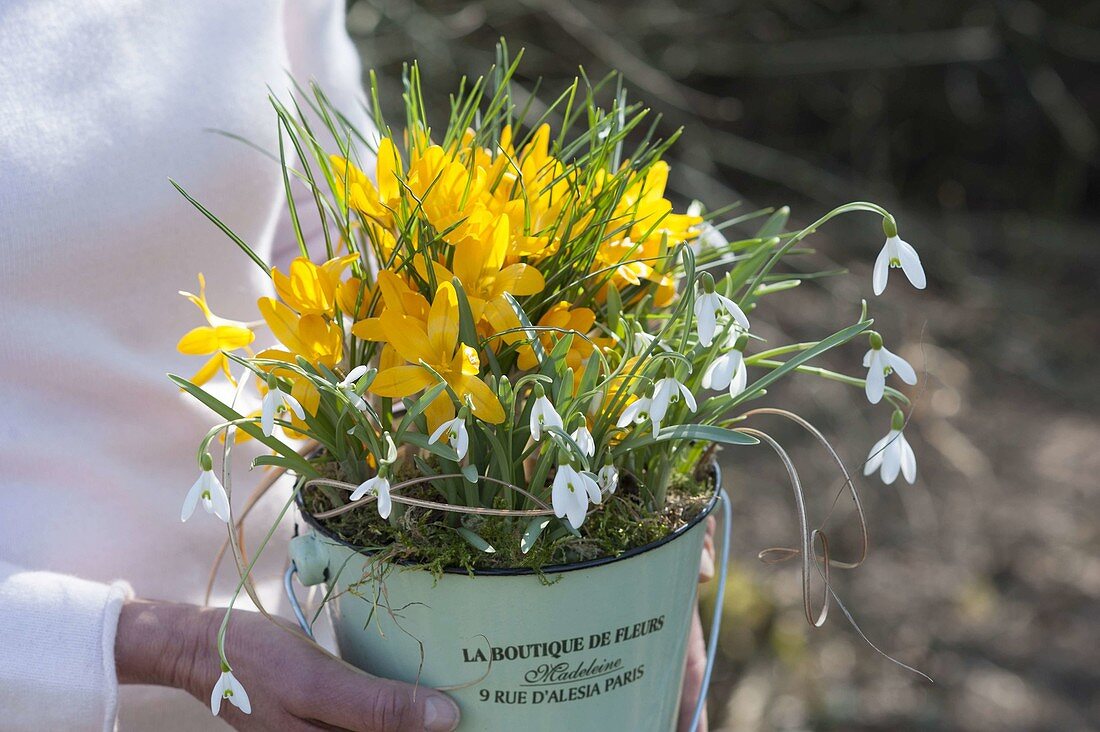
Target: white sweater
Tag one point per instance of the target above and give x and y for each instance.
(100, 102)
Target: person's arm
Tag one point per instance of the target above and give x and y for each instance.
(57, 641)
(292, 683)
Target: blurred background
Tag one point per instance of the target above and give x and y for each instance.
(976, 123)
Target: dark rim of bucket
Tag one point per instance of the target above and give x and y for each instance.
(716, 477)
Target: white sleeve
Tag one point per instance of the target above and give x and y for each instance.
(57, 651)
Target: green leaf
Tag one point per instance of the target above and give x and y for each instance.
(476, 541)
(614, 307)
(702, 432)
(531, 535)
(225, 229)
(296, 462)
(418, 408)
(436, 448)
(836, 339)
(469, 472)
(775, 224)
(467, 329)
(532, 336)
(779, 286)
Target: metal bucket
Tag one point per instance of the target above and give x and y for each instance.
(600, 647)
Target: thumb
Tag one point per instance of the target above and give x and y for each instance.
(367, 703)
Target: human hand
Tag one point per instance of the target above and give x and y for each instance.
(294, 685)
(697, 647)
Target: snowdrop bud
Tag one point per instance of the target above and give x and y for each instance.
(206, 462)
(706, 281)
(741, 343)
(875, 339)
(504, 390)
(897, 422)
(889, 226)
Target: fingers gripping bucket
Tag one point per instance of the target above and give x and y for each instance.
(601, 647)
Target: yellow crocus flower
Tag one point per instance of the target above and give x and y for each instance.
(397, 296)
(311, 289)
(479, 264)
(561, 316)
(360, 194)
(310, 336)
(218, 336)
(435, 343)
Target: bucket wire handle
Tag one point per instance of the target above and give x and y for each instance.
(716, 621)
(299, 614)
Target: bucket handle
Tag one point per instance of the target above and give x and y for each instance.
(716, 621)
(295, 606)
(715, 624)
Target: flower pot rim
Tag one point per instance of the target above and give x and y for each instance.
(713, 470)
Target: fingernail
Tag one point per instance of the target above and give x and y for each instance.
(440, 714)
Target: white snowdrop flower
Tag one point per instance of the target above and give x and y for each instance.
(584, 440)
(273, 400)
(880, 363)
(707, 307)
(608, 478)
(666, 392)
(892, 454)
(643, 340)
(706, 235)
(636, 412)
(210, 491)
(896, 253)
(229, 688)
(571, 493)
(391, 450)
(728, 369)
(543, 415)
(376, 486)
(454, 433)
(347, 386)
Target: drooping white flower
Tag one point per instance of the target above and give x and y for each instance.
(880, 363)
(454, 433)
(897, 253)
(210, 491)
(391, 450)
(273, 400)
(643, 340)
(347, 386)
(229, 688)
(636, 412)
(666, 392)
(571, 493)
(543, 415)
(707, 236)
(376, 486)
(707, 307)
(584, 440)
(608, 478)
(892, 454)
(728, 369)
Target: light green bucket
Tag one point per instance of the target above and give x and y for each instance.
(600, 648)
